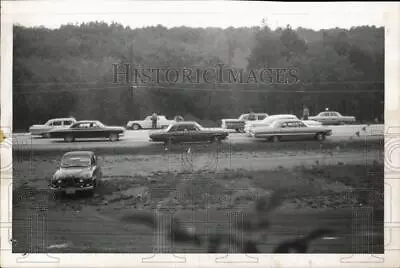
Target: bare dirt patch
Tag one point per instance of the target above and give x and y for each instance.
(199, 196)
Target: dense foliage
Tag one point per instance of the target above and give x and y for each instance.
(69, 71)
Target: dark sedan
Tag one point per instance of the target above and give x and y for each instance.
(87, 129)
(79, 171)
(188, 132)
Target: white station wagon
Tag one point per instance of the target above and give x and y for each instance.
(42, 130)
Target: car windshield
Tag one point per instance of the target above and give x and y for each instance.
(198, 126)
(175, 129)
(312, 123)
(75, 161)
(99, 124)
(169, 127)
(283, 123)
(269, 121)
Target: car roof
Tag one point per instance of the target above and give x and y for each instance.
(185, 123)
(281, 115)
(287, 120)
(79, 153)
(65, 118)
(87, 121)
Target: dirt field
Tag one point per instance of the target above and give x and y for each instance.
(200, 189)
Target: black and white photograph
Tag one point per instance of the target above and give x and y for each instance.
(199, 132)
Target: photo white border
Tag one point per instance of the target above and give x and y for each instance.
(30, 9)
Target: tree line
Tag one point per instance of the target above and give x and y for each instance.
(69, 72)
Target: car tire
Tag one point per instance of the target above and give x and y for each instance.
(135, 127)
(168, 143)
(90, 192)
(320, 136)
(275, 139)
(69, 138)
(113, 137)
(215, 139)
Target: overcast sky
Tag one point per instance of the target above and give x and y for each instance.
(223, 14)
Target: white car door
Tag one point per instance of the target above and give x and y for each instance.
(147, 123)
(324, 118)
(162, 121)
(335, 119)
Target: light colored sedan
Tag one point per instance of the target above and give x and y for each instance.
(333, 118)
(267, 121)
(146, 123)
(42, 130)
(240, 123)
(290, 129)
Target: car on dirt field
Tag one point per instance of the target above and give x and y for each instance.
(290, 129)
(186, 132)
(239, 123)
(333, 118)
(162, 122)
(79, 171)
(42, 130)
(87, 129)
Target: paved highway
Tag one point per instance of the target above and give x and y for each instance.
(140, 139)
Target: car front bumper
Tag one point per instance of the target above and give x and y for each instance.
(37, 131)
(73, 189)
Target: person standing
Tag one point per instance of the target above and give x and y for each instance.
(154, 120)
(306, 113)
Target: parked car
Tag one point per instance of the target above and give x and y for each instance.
(42, 130)
(87, 129)
(332, 118)
(188, 131)
(267, 121)
(239, 123)
(78, 171)
(290, 129)
(162, 122)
